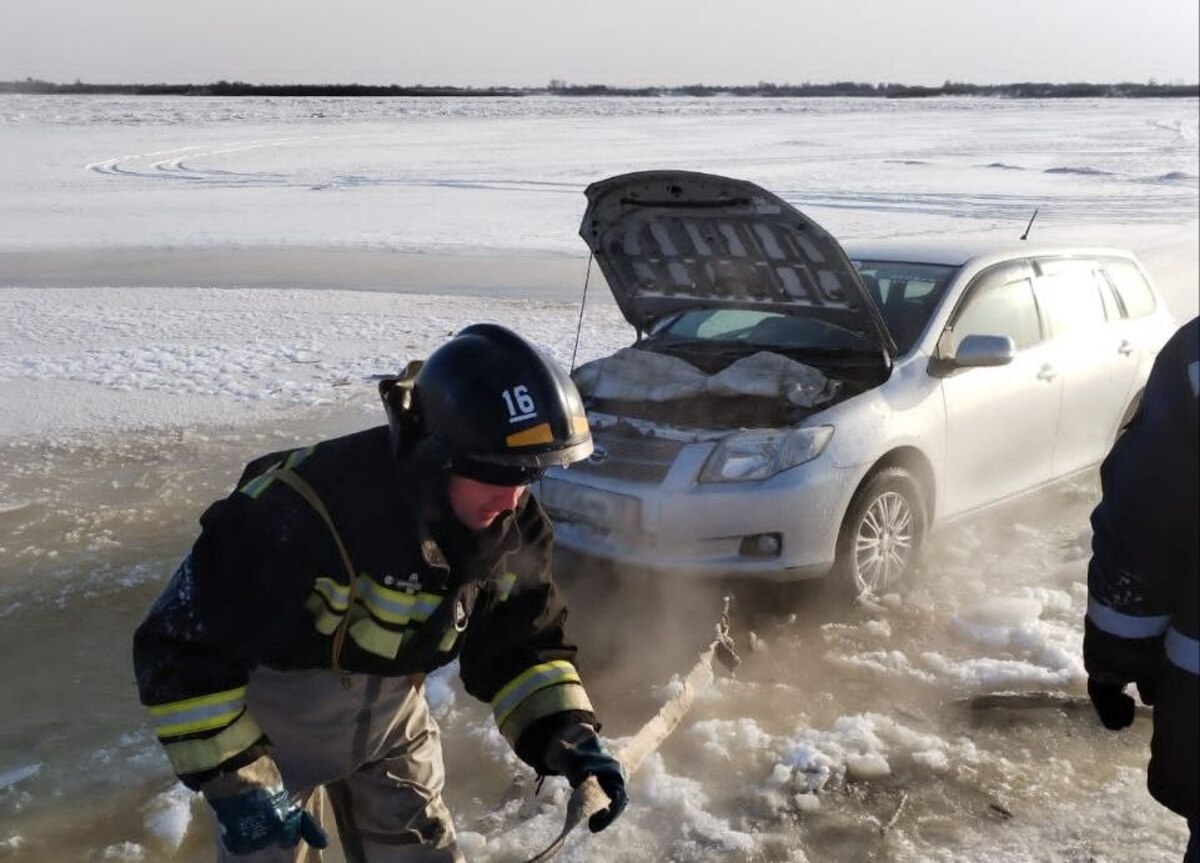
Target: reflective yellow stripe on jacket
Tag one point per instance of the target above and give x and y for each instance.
(255, 487)
(505, 585)
(382, 618)
(542, 690)
(221, 717)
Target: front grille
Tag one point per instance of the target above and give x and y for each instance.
(637, 458)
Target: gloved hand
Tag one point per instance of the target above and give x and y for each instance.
(1113, 706)
(260, 817)
(579, 754)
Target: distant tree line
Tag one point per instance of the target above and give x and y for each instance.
(241, 88)
(1028, 90)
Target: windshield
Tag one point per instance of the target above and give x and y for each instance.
(739, 329)
(906, 295)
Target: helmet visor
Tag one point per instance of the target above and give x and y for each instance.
(496, 474)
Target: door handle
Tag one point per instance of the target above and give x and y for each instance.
(1125, 349)
(1047, 373)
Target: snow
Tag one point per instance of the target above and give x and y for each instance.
(265, 261)
(439, 690)
(639, 375)
(112, 359)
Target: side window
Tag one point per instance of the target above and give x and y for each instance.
(1132, 287)
(1112, 306)
(1070, 295)
(1000, 304)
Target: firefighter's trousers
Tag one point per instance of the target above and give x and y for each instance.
(366, 759)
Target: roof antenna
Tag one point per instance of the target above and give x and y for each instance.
(582, 303)
(1030, 225)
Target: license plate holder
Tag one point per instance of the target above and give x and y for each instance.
(601, 510)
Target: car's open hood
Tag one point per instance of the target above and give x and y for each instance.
(670, 240)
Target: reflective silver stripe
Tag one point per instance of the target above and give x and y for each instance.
(1183, 650)
(298, 456)
(393, 606)
(554, 699)
(338, 596)
(530, 681)
(197, 714)
(1126, 625)
(193, 756)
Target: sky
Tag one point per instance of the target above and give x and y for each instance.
(619, 42)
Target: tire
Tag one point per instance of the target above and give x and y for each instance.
(880, 542)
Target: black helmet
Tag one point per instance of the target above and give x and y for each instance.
(497, 409)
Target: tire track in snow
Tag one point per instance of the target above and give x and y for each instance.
(146, 165)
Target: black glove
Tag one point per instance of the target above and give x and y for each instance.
(580, 755)
(1113, 706)
(262, 817)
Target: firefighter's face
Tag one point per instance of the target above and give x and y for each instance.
(477, 504)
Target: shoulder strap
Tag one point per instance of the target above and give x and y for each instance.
(301, 486)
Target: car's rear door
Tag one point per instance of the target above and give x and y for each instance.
(1145, 324)
(1000, 421)
(1095, 355)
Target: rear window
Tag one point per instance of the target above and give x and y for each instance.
(1131, 286)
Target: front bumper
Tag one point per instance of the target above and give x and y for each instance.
(701, 528)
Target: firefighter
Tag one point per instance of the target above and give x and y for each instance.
(1141, 623)
(283, 664)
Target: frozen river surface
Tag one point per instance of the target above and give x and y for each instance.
(153, 337)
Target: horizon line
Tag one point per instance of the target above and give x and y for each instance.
(559, 84)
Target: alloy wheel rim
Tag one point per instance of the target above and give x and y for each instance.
(883, 543)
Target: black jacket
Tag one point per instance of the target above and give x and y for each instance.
(265, 584)
(1143, 603)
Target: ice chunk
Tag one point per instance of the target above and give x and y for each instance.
(807, 802)
(12, 843)
(169, 815)
(126, 852)
(891, 600)
(471, 844)
(878, 628)
(18, 774)
(781, 775)
(934, 759)
(1003, 611)
(871, 765)
(439, 690)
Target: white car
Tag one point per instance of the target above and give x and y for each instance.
(791, 408)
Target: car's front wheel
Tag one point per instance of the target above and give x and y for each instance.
(881, 537)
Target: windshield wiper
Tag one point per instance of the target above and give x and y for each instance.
(830, 351)
(708, 344)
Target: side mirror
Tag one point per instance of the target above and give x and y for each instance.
(977, 351)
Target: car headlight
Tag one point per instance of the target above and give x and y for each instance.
(752, 455)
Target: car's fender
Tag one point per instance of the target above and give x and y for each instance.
(905, 414)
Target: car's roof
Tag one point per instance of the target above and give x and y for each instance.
(956, 252)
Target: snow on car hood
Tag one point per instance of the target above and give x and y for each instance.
(671, 240)
(637, 375)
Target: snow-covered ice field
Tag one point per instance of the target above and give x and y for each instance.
(187, 282)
